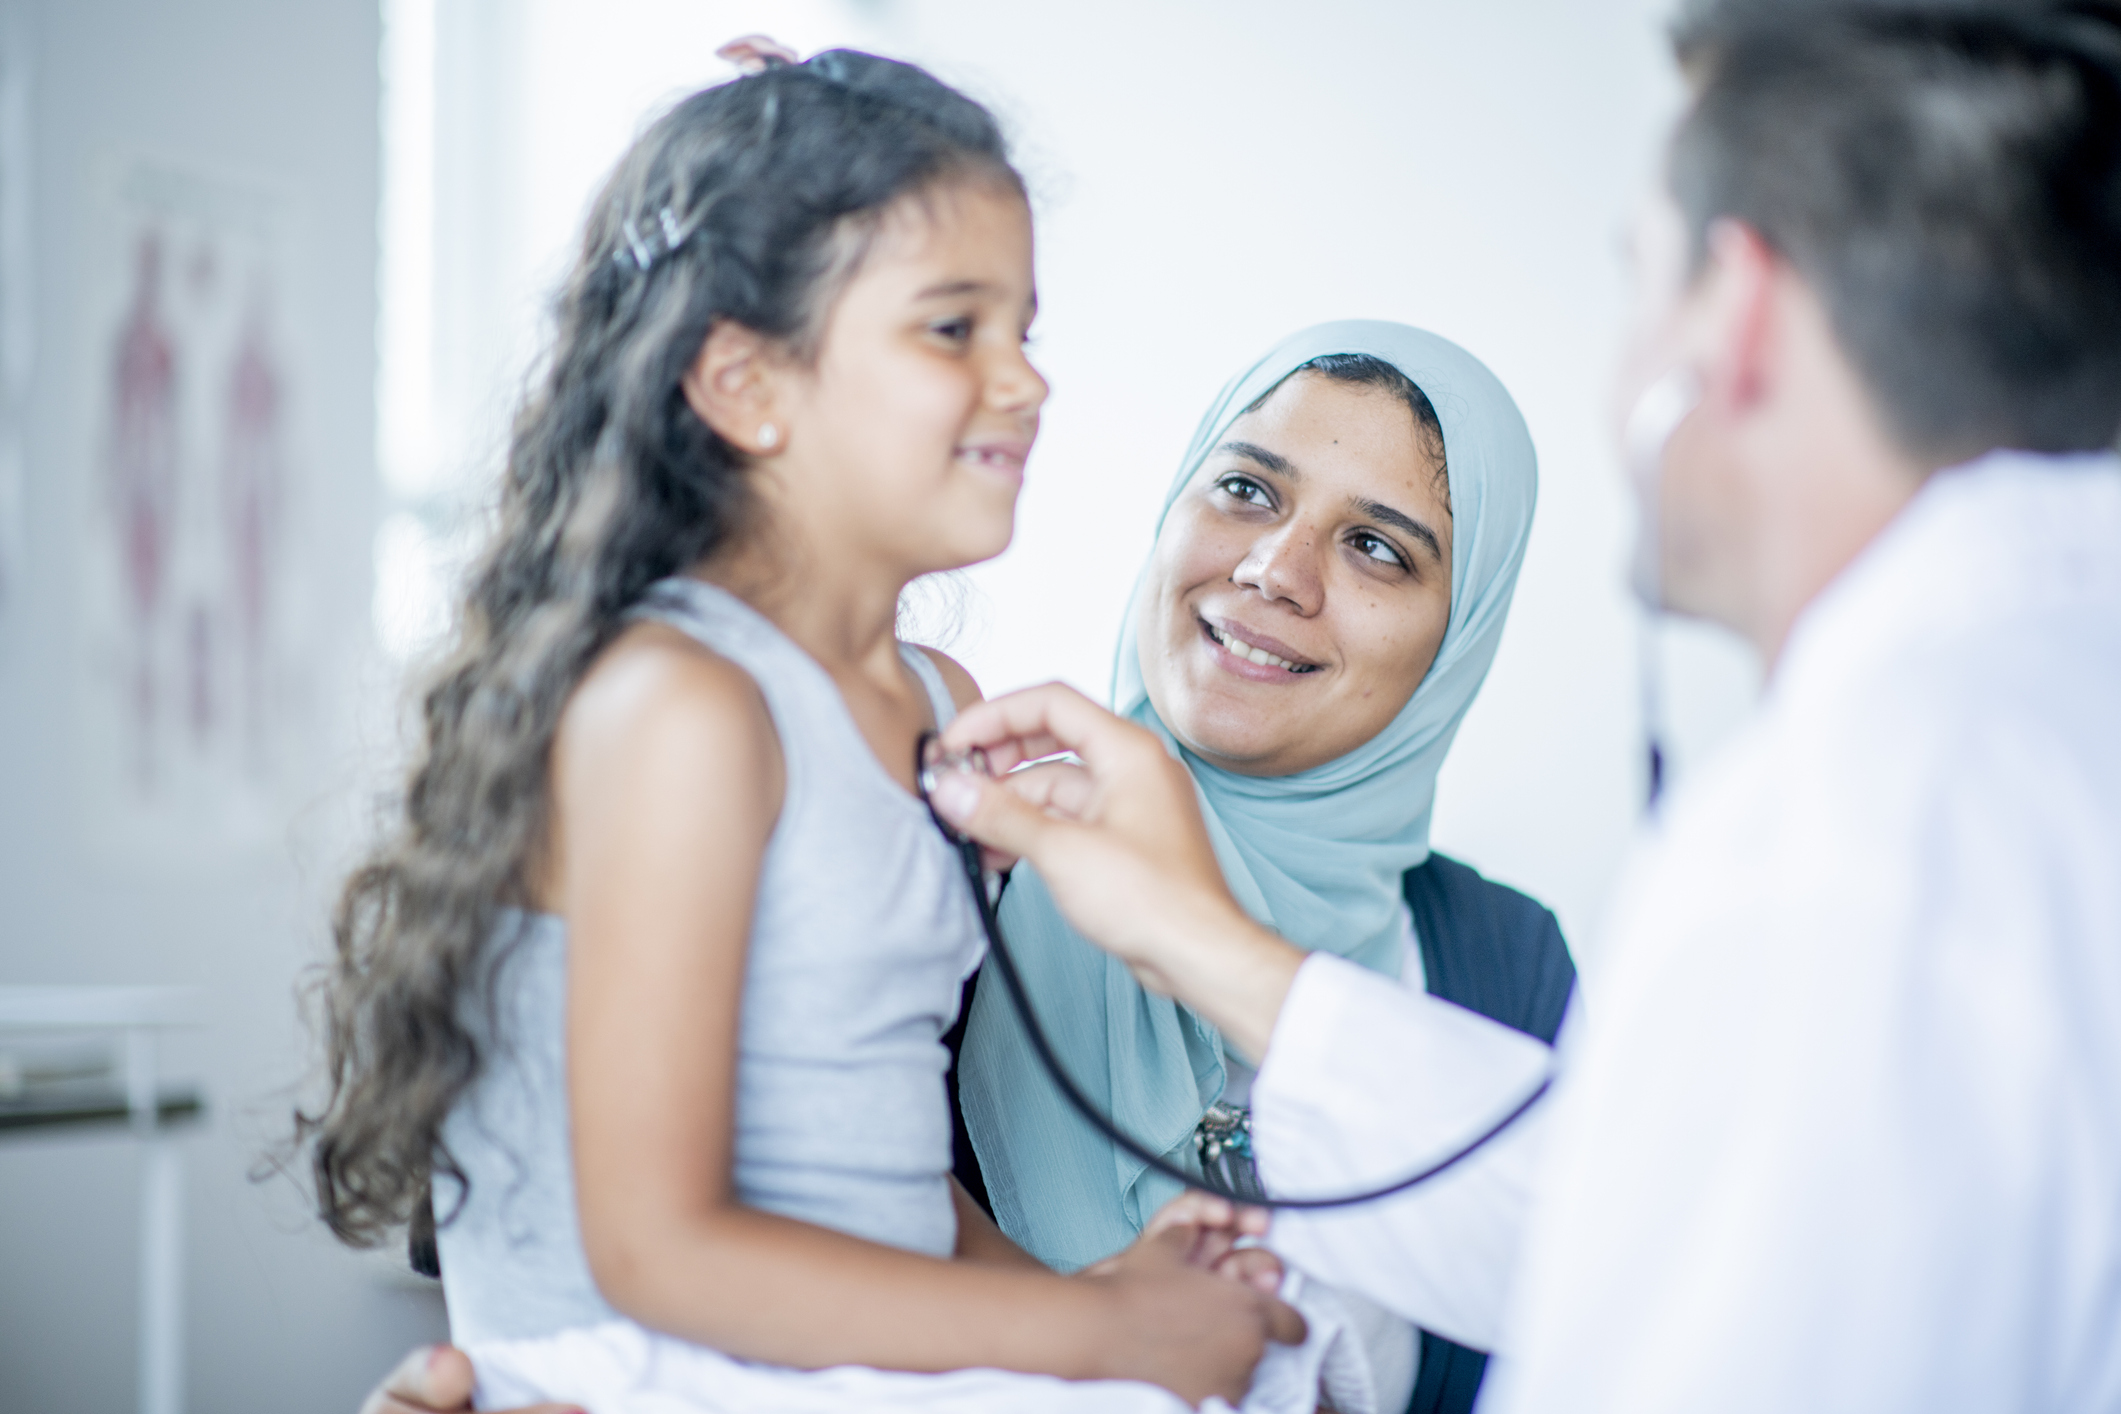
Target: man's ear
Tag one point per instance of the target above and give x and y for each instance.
(1735, 296)
(733, 386)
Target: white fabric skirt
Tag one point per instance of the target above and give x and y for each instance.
(622, 1368)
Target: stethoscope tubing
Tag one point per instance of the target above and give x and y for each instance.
(1019, 998)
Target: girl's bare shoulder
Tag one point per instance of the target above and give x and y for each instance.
(657, 696)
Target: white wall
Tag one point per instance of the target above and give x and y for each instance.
(1209, 177)
(1215, 176)
(286, 96)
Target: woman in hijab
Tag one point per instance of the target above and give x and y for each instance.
(1333, 567)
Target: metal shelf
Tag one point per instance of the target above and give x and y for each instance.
(151, 1113)
(88, 1107)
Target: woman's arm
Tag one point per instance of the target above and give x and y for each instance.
(668, 780)
(979, 1240)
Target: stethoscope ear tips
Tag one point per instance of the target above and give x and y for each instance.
(930, 761)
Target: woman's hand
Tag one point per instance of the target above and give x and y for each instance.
(1217, 1225)
(1220, 1225)
(1176, 1325)
(437, 1379)
(1122, 847)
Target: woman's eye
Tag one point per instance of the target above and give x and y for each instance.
(1245, 489)
(1377, 548)
(957, 331)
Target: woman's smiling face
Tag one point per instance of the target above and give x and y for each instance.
(1300, 587)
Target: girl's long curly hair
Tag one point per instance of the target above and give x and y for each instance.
(752, 202)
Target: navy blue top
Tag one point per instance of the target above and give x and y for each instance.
(1485, 947)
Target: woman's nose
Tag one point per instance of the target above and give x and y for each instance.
(1283, 565)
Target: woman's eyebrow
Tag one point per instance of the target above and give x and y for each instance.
(1378, 510)
(1253, 452)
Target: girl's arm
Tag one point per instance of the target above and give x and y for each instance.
(668, 780)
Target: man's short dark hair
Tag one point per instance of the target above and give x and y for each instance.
(1947, 177)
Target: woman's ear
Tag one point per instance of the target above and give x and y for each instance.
(733, 386)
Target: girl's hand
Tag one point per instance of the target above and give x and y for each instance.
(436, 1379)
(1189, 1330)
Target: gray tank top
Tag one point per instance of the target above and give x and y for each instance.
(863, 933)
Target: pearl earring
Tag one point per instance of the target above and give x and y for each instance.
(769, 436)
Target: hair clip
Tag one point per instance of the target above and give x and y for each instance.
(640, 252)
(643, 257)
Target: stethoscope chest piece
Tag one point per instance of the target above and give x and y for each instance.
(930, 762)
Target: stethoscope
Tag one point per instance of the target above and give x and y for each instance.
(1655, 417)
(926, 766)
(1651, 422)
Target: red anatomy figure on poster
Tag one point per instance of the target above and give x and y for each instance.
(143, 474)
(252, 486)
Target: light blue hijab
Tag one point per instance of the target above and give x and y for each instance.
(1318, 856)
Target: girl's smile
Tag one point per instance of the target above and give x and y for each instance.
(1004, 456)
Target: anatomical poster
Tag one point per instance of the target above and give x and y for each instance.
(194, 592)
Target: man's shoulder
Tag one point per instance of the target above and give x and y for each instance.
(1931, 766)
(1992, 614)
(2017, 703)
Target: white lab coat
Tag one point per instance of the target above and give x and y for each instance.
(1840, 1126)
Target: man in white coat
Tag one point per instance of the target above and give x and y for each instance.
(1839, 1126)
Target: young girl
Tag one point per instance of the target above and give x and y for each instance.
(651, 980)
